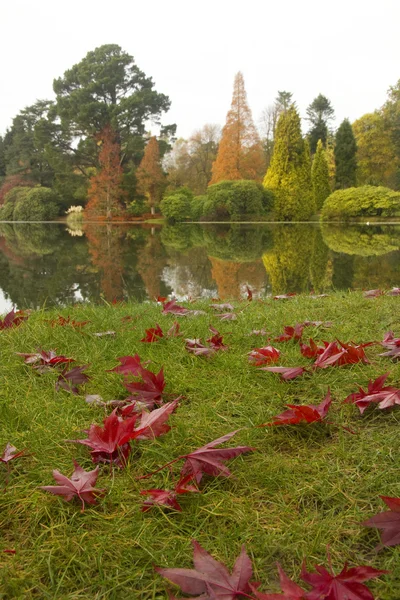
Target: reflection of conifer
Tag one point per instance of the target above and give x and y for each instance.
(320, 176)
(150, 265)
(105, 248)
(240, 153)
(319, 262)
(231, 277)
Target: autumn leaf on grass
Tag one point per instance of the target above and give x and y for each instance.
(222, 307)
(303, 413)
(172, 307)
(285, 296)
(152, 424)
(386, 396)
(69, 380)
(10, 453)
(393, 292)
(340, 354)
(13, 319)
(129, 365)
(151, 387)
(210, 579)
(230, 316)
(286, 373)
(44, 361)
(63, 321)
(196, 347)
(249, 293)
(372, 293)
(168, 497)
(153, 334)
(313, 350)
(388, 522)
(263, 356)
(392, 344)
(80, 485)
(216, 340)
(290, 589)
(173, 331)
(345, 586)
(291, 333)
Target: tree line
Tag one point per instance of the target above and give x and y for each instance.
(91, 146)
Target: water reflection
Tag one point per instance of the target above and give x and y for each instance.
(48, 264)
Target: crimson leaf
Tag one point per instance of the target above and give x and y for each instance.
(80, 485)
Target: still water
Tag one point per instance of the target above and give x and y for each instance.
(53, 264)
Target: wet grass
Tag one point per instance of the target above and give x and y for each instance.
(303, 489)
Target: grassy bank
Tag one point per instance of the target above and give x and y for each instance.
(304, 488)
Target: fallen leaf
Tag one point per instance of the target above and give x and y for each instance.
(153, 424)
(222, 307)
(10, 453)
(313, 350)
(303, 413)
(263, 356)
(150, 389)
(69, 380)
(168, 497)
(13, 319)
(388, 522)
(129, 364)
(153, 334)
(286, 373)
(372, 293)
(393, 292)
(174, 330)
(44, 361)
(385, 396)
(284, 296)
(211, 579)
(80, 485)
(291, 333)
(172, 307)
(290, 589)
(227, 316)
(249, 293)
(340, 354)
(63, 321)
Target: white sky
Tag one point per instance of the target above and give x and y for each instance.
(347, 50)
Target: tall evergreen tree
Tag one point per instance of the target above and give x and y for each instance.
(345, 156)
(289, 174)
(240, 153)
(320, 176)
(319, 113)
(150, 176)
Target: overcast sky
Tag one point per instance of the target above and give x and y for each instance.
(347, 50)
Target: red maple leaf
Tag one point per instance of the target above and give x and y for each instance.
(210, 579)
(13, 319)
(172, 308)
(153, 334)
(290, 589)
(392, 344)
(129, 364)
(286, 373)
(339, 354)
(345, 586)
(291, 333)
(249, 293)
(303, 413)
(151, 387)
(153, 424)
(216, 340)
(388, 522)
(80, 485)
(313, 349)
(385, 396)
(69, 380)
(168, 497)
(173, 331)
(44, 361)
(10, 453)
(63, 321)
(196, 347)
(263, 356)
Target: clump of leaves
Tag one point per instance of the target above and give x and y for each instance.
(153, 334)
(215, 343)
(13, 319)
(69, 380)
(384, 396)
(291, 333)
(67, 321)
(392, 344)
(80, 485)
(169, 497)
(263, 356)
(340, 354)
(44, 361)
(303, 413)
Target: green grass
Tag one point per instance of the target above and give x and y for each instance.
(303, 489)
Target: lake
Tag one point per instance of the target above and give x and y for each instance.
(54, 264)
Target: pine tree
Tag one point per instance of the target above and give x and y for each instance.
(320, 176)
(289, 174)
(105, 190)
(150, 176)
(240, 153)
(345, 156)
(319, 113)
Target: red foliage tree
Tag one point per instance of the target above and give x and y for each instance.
(150, 176)
(105, 191)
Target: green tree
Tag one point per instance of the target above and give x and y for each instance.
(284, 101)
(108, 89)
(320, 176)
(289, 174)
(319, 113)
(2, 158)
(345, 156)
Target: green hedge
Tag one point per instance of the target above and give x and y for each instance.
(237, 200)
(11, 198)
(30, 204)
(176, 206)
(364, 201)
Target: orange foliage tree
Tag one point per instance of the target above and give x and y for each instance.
(105, 244)
(150, 176)
(240, 153)
(105, 191)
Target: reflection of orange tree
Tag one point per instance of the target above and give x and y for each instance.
(288, 263)
(151, 262)
(105, 248)
(231, 276)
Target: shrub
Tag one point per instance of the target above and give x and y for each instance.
(236, 200)
(177, 206)
(10, 199)
(365, 201)
(361, 241)
(197, 207)
(39, 204)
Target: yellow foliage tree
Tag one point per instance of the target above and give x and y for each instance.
(240, 153)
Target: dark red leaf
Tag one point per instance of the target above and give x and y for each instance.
(291, 333)
(9, 551)
(303, 413)
(10, 453)
(168, 497)
(44, 361)
(372, 293)
(313, 349)
(153, 424)
(151, 387)
(286, 373)
(249, 293)
(63, 321)
(129, 364)
(210, 579)
(340, 354)
(153, 334)
(172, 308)
(80, 485)
(13, 319)
(388, 522)
(69, 380)
(345, 586)
(385, 396)
(290, 589)
(216, 340)
(263, 356)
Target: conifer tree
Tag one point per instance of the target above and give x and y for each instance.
(319, 113)
(150, 176)
(240, 153)
(105, 190)
(345, 156)
(289, 174)
(320, 176)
